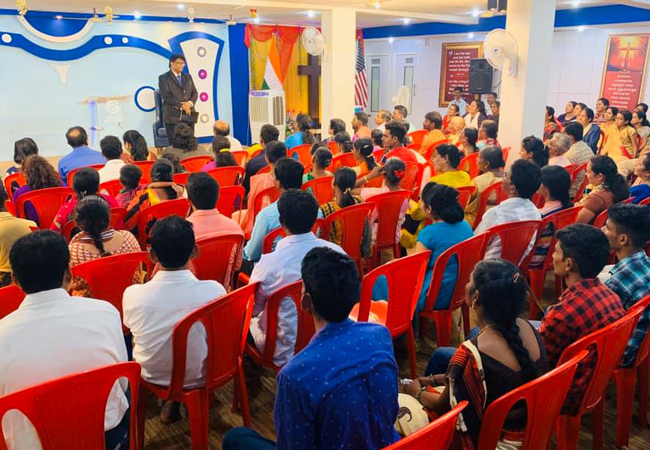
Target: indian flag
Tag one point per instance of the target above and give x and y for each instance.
(273, 72)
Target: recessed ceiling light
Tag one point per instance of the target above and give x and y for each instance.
(475, 12)
(391, 40)
(407, 21)
(377, 5)
(181, 6)
(582, 28)
(311, 14)
(58, 17)
(257, 19)
(470, 35)
(137, 15)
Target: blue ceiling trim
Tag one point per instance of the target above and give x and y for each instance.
(51, 14)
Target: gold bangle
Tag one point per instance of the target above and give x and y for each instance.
(365, 179)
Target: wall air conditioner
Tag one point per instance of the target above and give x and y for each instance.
(267, 107)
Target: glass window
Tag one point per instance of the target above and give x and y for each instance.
(374, 89)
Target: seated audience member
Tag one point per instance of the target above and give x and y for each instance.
(641, 188)
(377, 137)
(40, 175)
(221, 128)
(85, 183)
(22, 149)
(490, 164)
(81, 155)
(627, 167)
(321, 160)
(550, 126)
(433, 124)
(203, 194)
(494, 109)
(487, 134)
(506, 354)
(555, 186)
(395, 144)
(601, 107)
(459, 101)
(287, 175)
(641, 107)
(557, 146)
(446, 159)
(440, 205)
(273, 152)
(452, 111)
(579, 153)
(343, 184)
(221, 154)
(467, 141)
(382, 117)
(363, 149)
(401, 113)
(52, 335)
(628, 230)
(476, 114)
(11, 229)
(184, 144)
(533, 149)
(609, 125)
(303, 135)
(152, 310)
(112, 151)
(569, 114)
(585, 306)
(336, 126)
(311, 414)
(622, 139)
(298, 212)
(130, 176)
(96, 238)
(136, 145)
(590, 132)
(456, 126)
(520, 183)
(268, 134)
(161, 189)
(175, 162)
(360, 126)
(343, 142)
(609, 188)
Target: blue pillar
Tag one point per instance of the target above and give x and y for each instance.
(240, 82)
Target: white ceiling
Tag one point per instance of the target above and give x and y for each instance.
(299, 12)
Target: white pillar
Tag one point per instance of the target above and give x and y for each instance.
(338, 65)
(524, 96)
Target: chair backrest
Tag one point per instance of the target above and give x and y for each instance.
(467, 254)
(333, 147)
(241, 157)
(302, 152)
(571, 168)
(279, 233)
(608, 343)
(112, 187)
(464, 194)
(582, 168)
(321, 188)
(410, 179)
(73, 172)
(116, 222)
(600, 219)
(68, 412)
(506, 152)
(543, 398)
(404, 276)
(231, 199)
(378, 154)
(484, 197)
(517, 240)
(343, 160)
(109, 277)
(196, 163)
(645, 201)
(644, 348)
(538, 200)
(417, 137)
(145, 166)
(217, 256)
(10, 299)
(389, 206)
(148, 216)
(264, 198)
(558, 220)
(374, 183)
(46, 202)
(17, 178)
(265, 169)
(352, 221)
(469, 164)
(227, 176)
(181, 178)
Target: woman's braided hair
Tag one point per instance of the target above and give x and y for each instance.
(92, 215)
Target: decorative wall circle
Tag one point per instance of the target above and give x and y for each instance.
(201, 51)
(203, 74)
(108, 40)
(6, 38)
(204, 96)
(205, 118)
(145, 98)
(125, 40)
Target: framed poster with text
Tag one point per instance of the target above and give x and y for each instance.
(454, 69)
(625, 69)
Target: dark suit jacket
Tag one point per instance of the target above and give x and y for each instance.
(173, 95)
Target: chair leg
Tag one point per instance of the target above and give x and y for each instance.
(243, 396)
(643, 375)
(422, 328)
(568, 432)
(443, 328)
(141, 412)
(598, 424)
(624, 379)
(410, 342)
(465, 311)
(197, 408)
(537, 286)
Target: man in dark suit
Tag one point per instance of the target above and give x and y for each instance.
(178, 94)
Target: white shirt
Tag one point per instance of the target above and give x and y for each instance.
(274, 271)
(514, 209)
(469, 122)
(110, 171)
(152, 310)
(462, 105)
(52, 335)
(559, 161)
(235, 145)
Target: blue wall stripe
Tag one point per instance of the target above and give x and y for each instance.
(239, 80)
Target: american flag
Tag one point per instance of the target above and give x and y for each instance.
(361, 82)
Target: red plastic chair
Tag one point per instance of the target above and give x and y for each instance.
(543, 398)
(538, 200)
(410, 179)
(625, 378)
(506, 152)
(334, 148)
(464, 194)
(306, 327)
(231, 199)
(18, 178)
(214, 262)
(404, 277)
(437, 435)
(148, 216)
(262, 200)
(196, 163)
(46, 202)
(582, 168)
(145, 166)
(181, 178)
(109, 276)
(302, 152)
(484, 197)
(116, 222)
(227, 176)
(467, 254)
(112, 187)
(352, 221)
(468, 164)
(241, 157)
(321, 188)
(645, 202)
(72, 173)
(389, 207)
(609, 344)
(417, 137)
(226, 321)
(10, 299)
(279, 233)
(266, 169)
(516, 238)
(83, 397)
(257, 153)
(373, 183)
(571, 168)
(343, 160)
(600, 219)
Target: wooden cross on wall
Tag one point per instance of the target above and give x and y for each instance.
(313, 72)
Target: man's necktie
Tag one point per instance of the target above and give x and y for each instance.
(180, 79)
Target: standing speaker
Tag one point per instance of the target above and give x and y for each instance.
(480, 76)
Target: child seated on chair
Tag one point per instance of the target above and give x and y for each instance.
(130, 176)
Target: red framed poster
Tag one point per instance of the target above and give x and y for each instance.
(625, 69)
(454, 69)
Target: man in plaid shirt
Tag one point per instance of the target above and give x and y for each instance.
(628, 229)
(585, 306)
